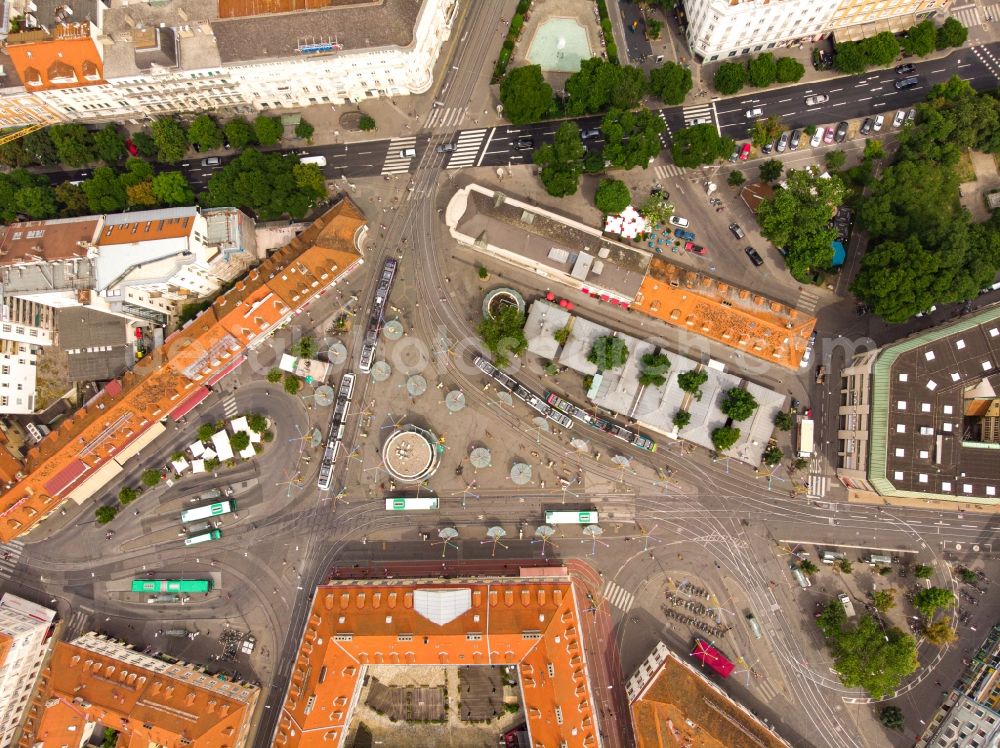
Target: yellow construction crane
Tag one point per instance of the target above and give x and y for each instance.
(11, 136)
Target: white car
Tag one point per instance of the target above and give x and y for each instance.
(897, 121)
(754, 113)
(680, 222)
(817, 137)
(816, 99)
(879, 121)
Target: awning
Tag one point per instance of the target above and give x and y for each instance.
(98, 480)
(135, 446)
(216, 377)
(190, 404)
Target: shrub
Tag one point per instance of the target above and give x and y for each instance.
(612, 52)
(212, 463)
(923, 571)
(483, 273)
(772, 455)
(292, 384)
(561, 335)
(239, 441)
(783, 420)
(366, 123)
(736, 178)
(267, 437)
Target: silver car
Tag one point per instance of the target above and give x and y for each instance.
(816, 99)
(782, 143)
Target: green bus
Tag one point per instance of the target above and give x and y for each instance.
(203, 537)
(171, 585)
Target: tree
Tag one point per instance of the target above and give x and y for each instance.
(561, 335)
(730, 78)
(304, 347)
(923, 571)
(891, 717)
(109, 145)
(503, 335)
(771, 170)
(304, 130)
(483, 273)
(761, 70)
(631, 138)
(151, 477)
(608, 352)
(655, 209)
(525, 95)
(764, 131)
(550, 369)
(273, 376)
(257, 423)
(874, 149)
(33, 148)
(783, 420)
(736, 178)
(849, 58)
(789, 70)
(292, 384)
(105, 193)
(940, 632)
(205, 133)
(832, 618)
(920, 40)
(800, 464)
(654, 369)
(865, 659)
(798, 219)
(171, 140)
(881, 49)
(239, 441)
(724, 437)
(239, 133)
(140, 195)
(772, 455)
(136, 172)
(738, 404)
(74, 144)
(144, 144)
(968, 575)
(268, 130)
(845, 566)
(105, 514)
(809, 568)
(691, 381)
(212, 463)
(681, 419)
(951, 34)
(700, 145)
(928, 601)
(72, 198)
(206, 431)
(561, 163)
(127, 495)
(24, 193)
(612, 196)
(670, 83)
(172, 188)
(835, 160)
(601, 84)
(883, 600)
(269, 184)
(367, 123)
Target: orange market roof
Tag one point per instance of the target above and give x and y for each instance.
(68, 58)
(736, 317)
(130, 232)
(530, 622)
(160, 382)
(46, 241)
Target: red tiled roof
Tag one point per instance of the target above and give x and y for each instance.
(66, 477)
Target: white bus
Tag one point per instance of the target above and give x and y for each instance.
(571, 518)
(806, 443)
(209, 510)
(405, 505)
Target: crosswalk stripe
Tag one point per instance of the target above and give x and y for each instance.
(807, 301)
(445, 117)
(230, 407)
(10, 555)
(394, 163)
(618, 596)
(988, 59)
(466, 148)
(669, 170)
(968, 15)
(694, 115)
(817, 486)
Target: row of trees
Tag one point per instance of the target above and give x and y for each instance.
(924, 248)
(882, 49)
(761, 71)
(700, 145)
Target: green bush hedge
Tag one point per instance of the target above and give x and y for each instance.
(516, 24)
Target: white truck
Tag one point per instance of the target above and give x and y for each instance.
(848, 605)
(806, 438)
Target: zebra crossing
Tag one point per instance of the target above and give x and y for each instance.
(395, 163)
(986, 56)
(967, 14)
(665, 134)
(669, 170)
(817, 486)
(618, 596)
(445, 117)
(697, 115)
(229, 407)
(466, 149)
(10, 554)
(76, 625)
(808, 301)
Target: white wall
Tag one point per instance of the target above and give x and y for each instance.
(717, 28)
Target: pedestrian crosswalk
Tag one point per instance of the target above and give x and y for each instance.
(445, 117)
(395, 161)
(817, 486)
(230, 407)
(665, 134)
(697, 115)
(10, 554)
(967, 14)
(76, 625)
(618, 596)
(466, 149)
(808, 300)
(986, 56)
(669, 170)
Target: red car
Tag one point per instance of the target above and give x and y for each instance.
(695, 248)
(131, 147)
(745, 152)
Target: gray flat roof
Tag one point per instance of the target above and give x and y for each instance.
(620, 386)
(96, 343)
(657, 405)
(543, 320)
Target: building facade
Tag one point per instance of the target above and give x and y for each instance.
(25, 630)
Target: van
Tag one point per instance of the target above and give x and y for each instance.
(754, 626)
(408, 153)
(801, 578)
(905, 83)
(318, 160)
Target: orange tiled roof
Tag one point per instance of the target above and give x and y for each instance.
(80, 685)
(144, 231)
(741, 319)
(69, 60)
(5, 645)
(46, 241)
(160, 382)
(10, 466)
(529, 622)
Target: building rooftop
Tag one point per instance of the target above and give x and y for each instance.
(46, 241)
(761, 327)
(935, 423)
(96, 344)
(543, 321)
(529, 622)
(657, 406)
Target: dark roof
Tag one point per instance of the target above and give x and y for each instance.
(96, 344)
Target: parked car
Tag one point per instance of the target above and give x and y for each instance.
(679, 221)
(685, 235)
(131, 147)
(755, 113)
(816, 99)
(767, 148)
(695, 249)
(737, 231)
(793, 141)
(446, 148)
(807, 354)
(911, 116)
(828, 135)
(906, 69)
(841, 134)
(735, 155)
(782, 142)
(898, 120)
(745, 152)
(866, 126)
(817, 137)
(588, 134)
(754, 256)
(211, 161)
(879, 121)
(820, 374)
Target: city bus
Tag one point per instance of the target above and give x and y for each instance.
(405, 505)
(171, 585)
(203, 538)
(209, 510)
(571, 518)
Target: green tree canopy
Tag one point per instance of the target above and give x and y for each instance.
(273, 376)
(864, 659)
(608, 352)
(269, 184)
(109, 145)
(239, 133)
(239, 441)
(561, 162)
(206, 430)
(74, 144)
(127, 495)
(267, 130)
(151, 477)
(783, 420)
(762, 70)
(257, 423)
(920, 39)
(764, 131)
(656, 209)
(940, 632)
(738, 404)
(33, 148)
(772, 455)
(38, 202)
(72, 198)
(691, 381)
(923, 571)
(105, 514)
(891, 717)
(928, 601)
(304, 347)
(700, 145)
(832, 619)
(304, 130)
(171, 140)
(140, 195)
(503, 335)
(789, 70)
(105, 192)
(951, 34)
(612, 196)
(724, 437)
(670, 83)
(834, 160)
(730, 77)
(171, 188)
(205, 132)
(601, 84)
(849, 58)
(771, 169)
(292, 384)
(24, 192)
(883, 600)
(735, 178)
(798, 217)
(525, 95)
(631, 138)
(654, 369)
(144, 144)
(681, 419)
(367, 123)
(136, 172)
